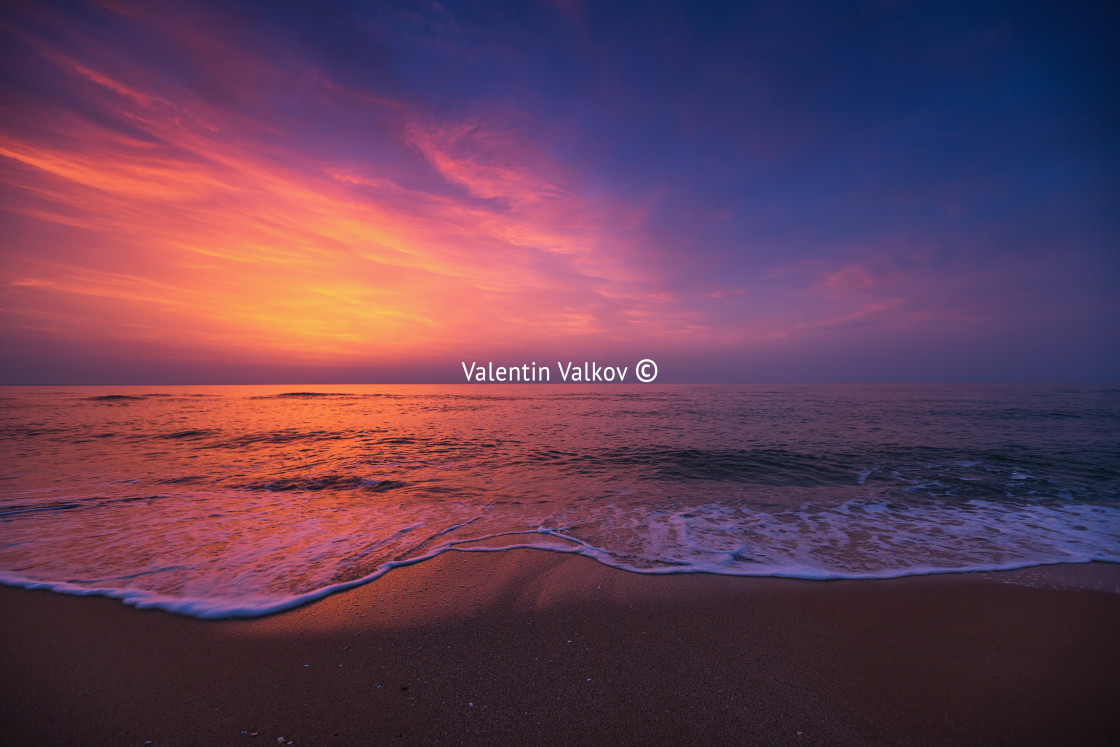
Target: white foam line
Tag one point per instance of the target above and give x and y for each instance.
(572, 551)
(441, 532)
(218, 608)
(225, 608)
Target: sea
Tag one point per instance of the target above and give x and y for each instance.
(237, 501)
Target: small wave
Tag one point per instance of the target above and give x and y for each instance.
(325, 482)
(72, 505)
(196, 433)
(777, 467)
(278, 437)
(305, 395)
(123, 397)
(180, 480)
(234, 607)
(16, 509)
(856, 540)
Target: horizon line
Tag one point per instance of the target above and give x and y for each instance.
(589, 384)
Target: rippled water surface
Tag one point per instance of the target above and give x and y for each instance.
(218, 501)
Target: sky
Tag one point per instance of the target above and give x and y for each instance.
(336, 192)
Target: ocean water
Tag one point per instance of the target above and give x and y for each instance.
(238, 501)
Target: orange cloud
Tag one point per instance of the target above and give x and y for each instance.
(174, 225)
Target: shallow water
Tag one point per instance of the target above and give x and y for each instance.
(219, 501)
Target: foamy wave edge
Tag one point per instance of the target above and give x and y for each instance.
(222, 608)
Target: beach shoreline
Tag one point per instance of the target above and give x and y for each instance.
(528, 646)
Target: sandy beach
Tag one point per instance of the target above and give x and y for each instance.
(528, 646)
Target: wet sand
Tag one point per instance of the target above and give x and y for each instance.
(531, 647)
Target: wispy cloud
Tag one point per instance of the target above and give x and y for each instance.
(161, 214)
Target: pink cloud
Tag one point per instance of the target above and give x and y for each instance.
(851, 279)
(187, 232)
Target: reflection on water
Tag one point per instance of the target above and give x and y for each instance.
(215, 500)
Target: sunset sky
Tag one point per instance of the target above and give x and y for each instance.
(341, 192)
